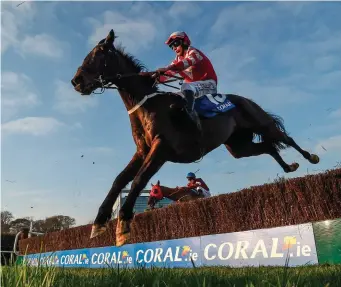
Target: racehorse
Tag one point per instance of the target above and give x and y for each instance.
(161, 134)
(158, 192)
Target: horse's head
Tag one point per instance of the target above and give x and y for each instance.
(155, 194)
(98, 68)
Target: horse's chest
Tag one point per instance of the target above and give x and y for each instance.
(146, 132)
(149, 133)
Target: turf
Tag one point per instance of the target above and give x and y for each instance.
(322, 275)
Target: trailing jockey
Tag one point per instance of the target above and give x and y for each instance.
(198, 185)
(196, 69)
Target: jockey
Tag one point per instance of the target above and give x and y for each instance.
(197, 185)
(196, 69)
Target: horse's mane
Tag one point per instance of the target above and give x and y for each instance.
(136, 64)
(138, 67)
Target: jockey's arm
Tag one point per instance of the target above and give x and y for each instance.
(170, 72)
(175, 67)
(203, 184)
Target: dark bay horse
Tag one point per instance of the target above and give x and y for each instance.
(161, 137)
(158, 192)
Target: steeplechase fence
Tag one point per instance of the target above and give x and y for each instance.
(296, 220)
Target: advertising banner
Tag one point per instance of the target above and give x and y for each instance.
(170, 253)
(106, 257)
(68, 258)
(43, 259)
(274, 246)
(328, 241)
(73, 258)
(291, 245)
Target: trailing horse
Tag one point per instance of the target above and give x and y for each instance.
(161, 134)
(158, 192)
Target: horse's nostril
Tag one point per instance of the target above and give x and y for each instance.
(77, 80)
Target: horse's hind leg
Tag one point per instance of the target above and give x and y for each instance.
(274, 133)
(270, 126)
(248, 149)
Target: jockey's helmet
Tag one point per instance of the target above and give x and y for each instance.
(178, 35)
(190, 175)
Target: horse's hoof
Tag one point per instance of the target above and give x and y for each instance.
(294, 166)
(122, 239)
(314, 159)
(122, 232)
(97, 230)
(291, 168)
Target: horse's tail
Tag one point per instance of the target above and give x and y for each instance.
(279, 122)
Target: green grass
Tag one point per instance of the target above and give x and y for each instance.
(23, 276)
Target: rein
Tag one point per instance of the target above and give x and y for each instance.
(107, 84)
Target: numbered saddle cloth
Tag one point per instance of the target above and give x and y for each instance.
(210, 105)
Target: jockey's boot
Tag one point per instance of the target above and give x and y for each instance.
(196, 192)
(189, 96)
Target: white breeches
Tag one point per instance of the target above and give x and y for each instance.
(200, 88)
(205, 192)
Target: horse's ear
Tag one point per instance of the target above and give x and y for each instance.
(158, 182)
(109, 40)
(152, 184)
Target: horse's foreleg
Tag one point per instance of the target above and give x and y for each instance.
(150, 166)
(256, 149)
(125, 176)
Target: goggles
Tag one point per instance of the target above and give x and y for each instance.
(176, 43)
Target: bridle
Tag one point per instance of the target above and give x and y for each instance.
(108, 82)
